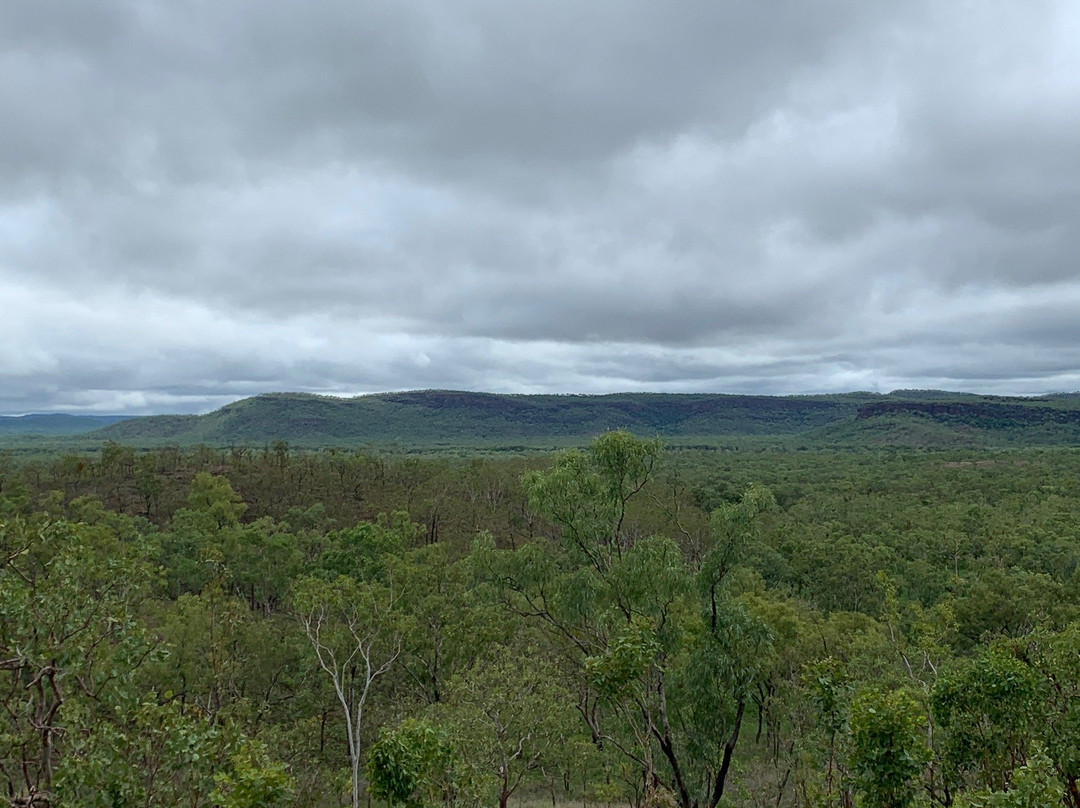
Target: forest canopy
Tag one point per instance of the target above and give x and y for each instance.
(618, 625)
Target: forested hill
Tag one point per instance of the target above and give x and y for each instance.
(440, 417)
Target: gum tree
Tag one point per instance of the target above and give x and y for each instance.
(352, 628)
(665, 659)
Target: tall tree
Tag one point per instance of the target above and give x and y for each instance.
(509, 716)
(352, 629)
(666, 659)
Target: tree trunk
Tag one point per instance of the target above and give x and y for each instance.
(725, 765)
(1073, 793)
(356, 780)
(667, 746)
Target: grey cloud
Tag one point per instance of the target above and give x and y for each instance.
(200, 199)
(484, 80)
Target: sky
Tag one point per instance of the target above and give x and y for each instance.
(202, 200)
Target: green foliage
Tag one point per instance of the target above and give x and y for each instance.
(830, 694)
(670, 659)
(411, 765)
(888, 751)
(728, 659)
(1034, 785)
(587, 494)
(215, 497)
(189, 628)
(260, 561)
(254, 781)
(69, 643)
(355, 632)
(733, 527)
(1056, 658)
(361, 551)
(146, 754)
(508, 717)
(629, 657)
(446, 626)
(989, 705)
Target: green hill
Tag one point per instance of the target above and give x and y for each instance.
(453, 418)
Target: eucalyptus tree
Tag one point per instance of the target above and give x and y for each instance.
(448, 627)
(509, 717)
(665, 659)
(353, 629)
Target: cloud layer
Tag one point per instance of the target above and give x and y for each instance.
(203, 200)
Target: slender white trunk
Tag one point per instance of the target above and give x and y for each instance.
(352, 682)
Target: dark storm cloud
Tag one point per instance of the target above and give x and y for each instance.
(202, 200)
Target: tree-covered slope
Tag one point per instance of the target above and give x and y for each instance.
(443, 417)
(433, 416)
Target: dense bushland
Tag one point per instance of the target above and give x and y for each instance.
(617, 625)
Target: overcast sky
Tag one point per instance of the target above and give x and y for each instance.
(206, 199)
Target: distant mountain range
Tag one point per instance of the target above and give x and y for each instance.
(54, 423)
(444, 418)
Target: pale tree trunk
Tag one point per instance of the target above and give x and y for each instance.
(352, 679)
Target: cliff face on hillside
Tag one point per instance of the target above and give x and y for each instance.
(989, 414)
